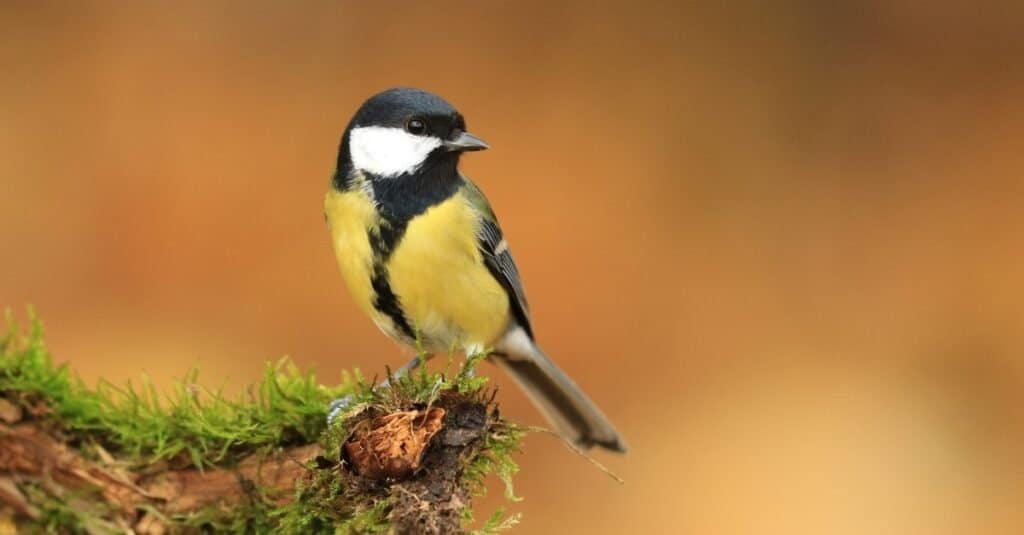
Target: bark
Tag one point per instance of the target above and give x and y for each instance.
(414, 458)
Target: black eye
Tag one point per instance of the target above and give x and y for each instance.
(416, 127)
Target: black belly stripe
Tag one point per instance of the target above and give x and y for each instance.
(383, 240)
(387, 303)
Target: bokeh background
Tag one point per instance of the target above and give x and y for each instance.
(780, 242)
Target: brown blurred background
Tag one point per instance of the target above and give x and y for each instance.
(779, 242)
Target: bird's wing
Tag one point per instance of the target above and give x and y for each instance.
(498, 257)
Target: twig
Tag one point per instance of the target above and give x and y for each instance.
(577, 450)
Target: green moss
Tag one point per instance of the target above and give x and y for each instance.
(193, 426)
(287, 407)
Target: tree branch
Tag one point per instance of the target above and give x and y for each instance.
(407, 459)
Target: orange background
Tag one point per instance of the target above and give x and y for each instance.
(781, 243)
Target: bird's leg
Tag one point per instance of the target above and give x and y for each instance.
(406, 368)
(339, 405)
(474, 354)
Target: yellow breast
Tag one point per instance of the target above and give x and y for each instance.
(350, 214)
(437, 272)
(440, 278)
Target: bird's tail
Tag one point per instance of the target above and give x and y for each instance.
(568, 409)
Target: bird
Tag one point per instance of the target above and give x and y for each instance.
(421, 253)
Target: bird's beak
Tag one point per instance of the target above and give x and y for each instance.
(464, 141)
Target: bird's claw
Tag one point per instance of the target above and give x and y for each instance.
(342, 404)
(338, 406)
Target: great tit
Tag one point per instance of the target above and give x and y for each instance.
(421, 252)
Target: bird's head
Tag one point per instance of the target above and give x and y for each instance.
(399, 130)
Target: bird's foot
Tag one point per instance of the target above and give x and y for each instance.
(342, 404)
(338, 406)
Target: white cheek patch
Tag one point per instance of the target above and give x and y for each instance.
(388, 152)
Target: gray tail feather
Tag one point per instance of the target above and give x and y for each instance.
(568, 409)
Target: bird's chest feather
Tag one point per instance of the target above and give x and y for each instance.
(438, 274)
(435, 271)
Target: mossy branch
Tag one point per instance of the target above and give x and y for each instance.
(404, 459)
